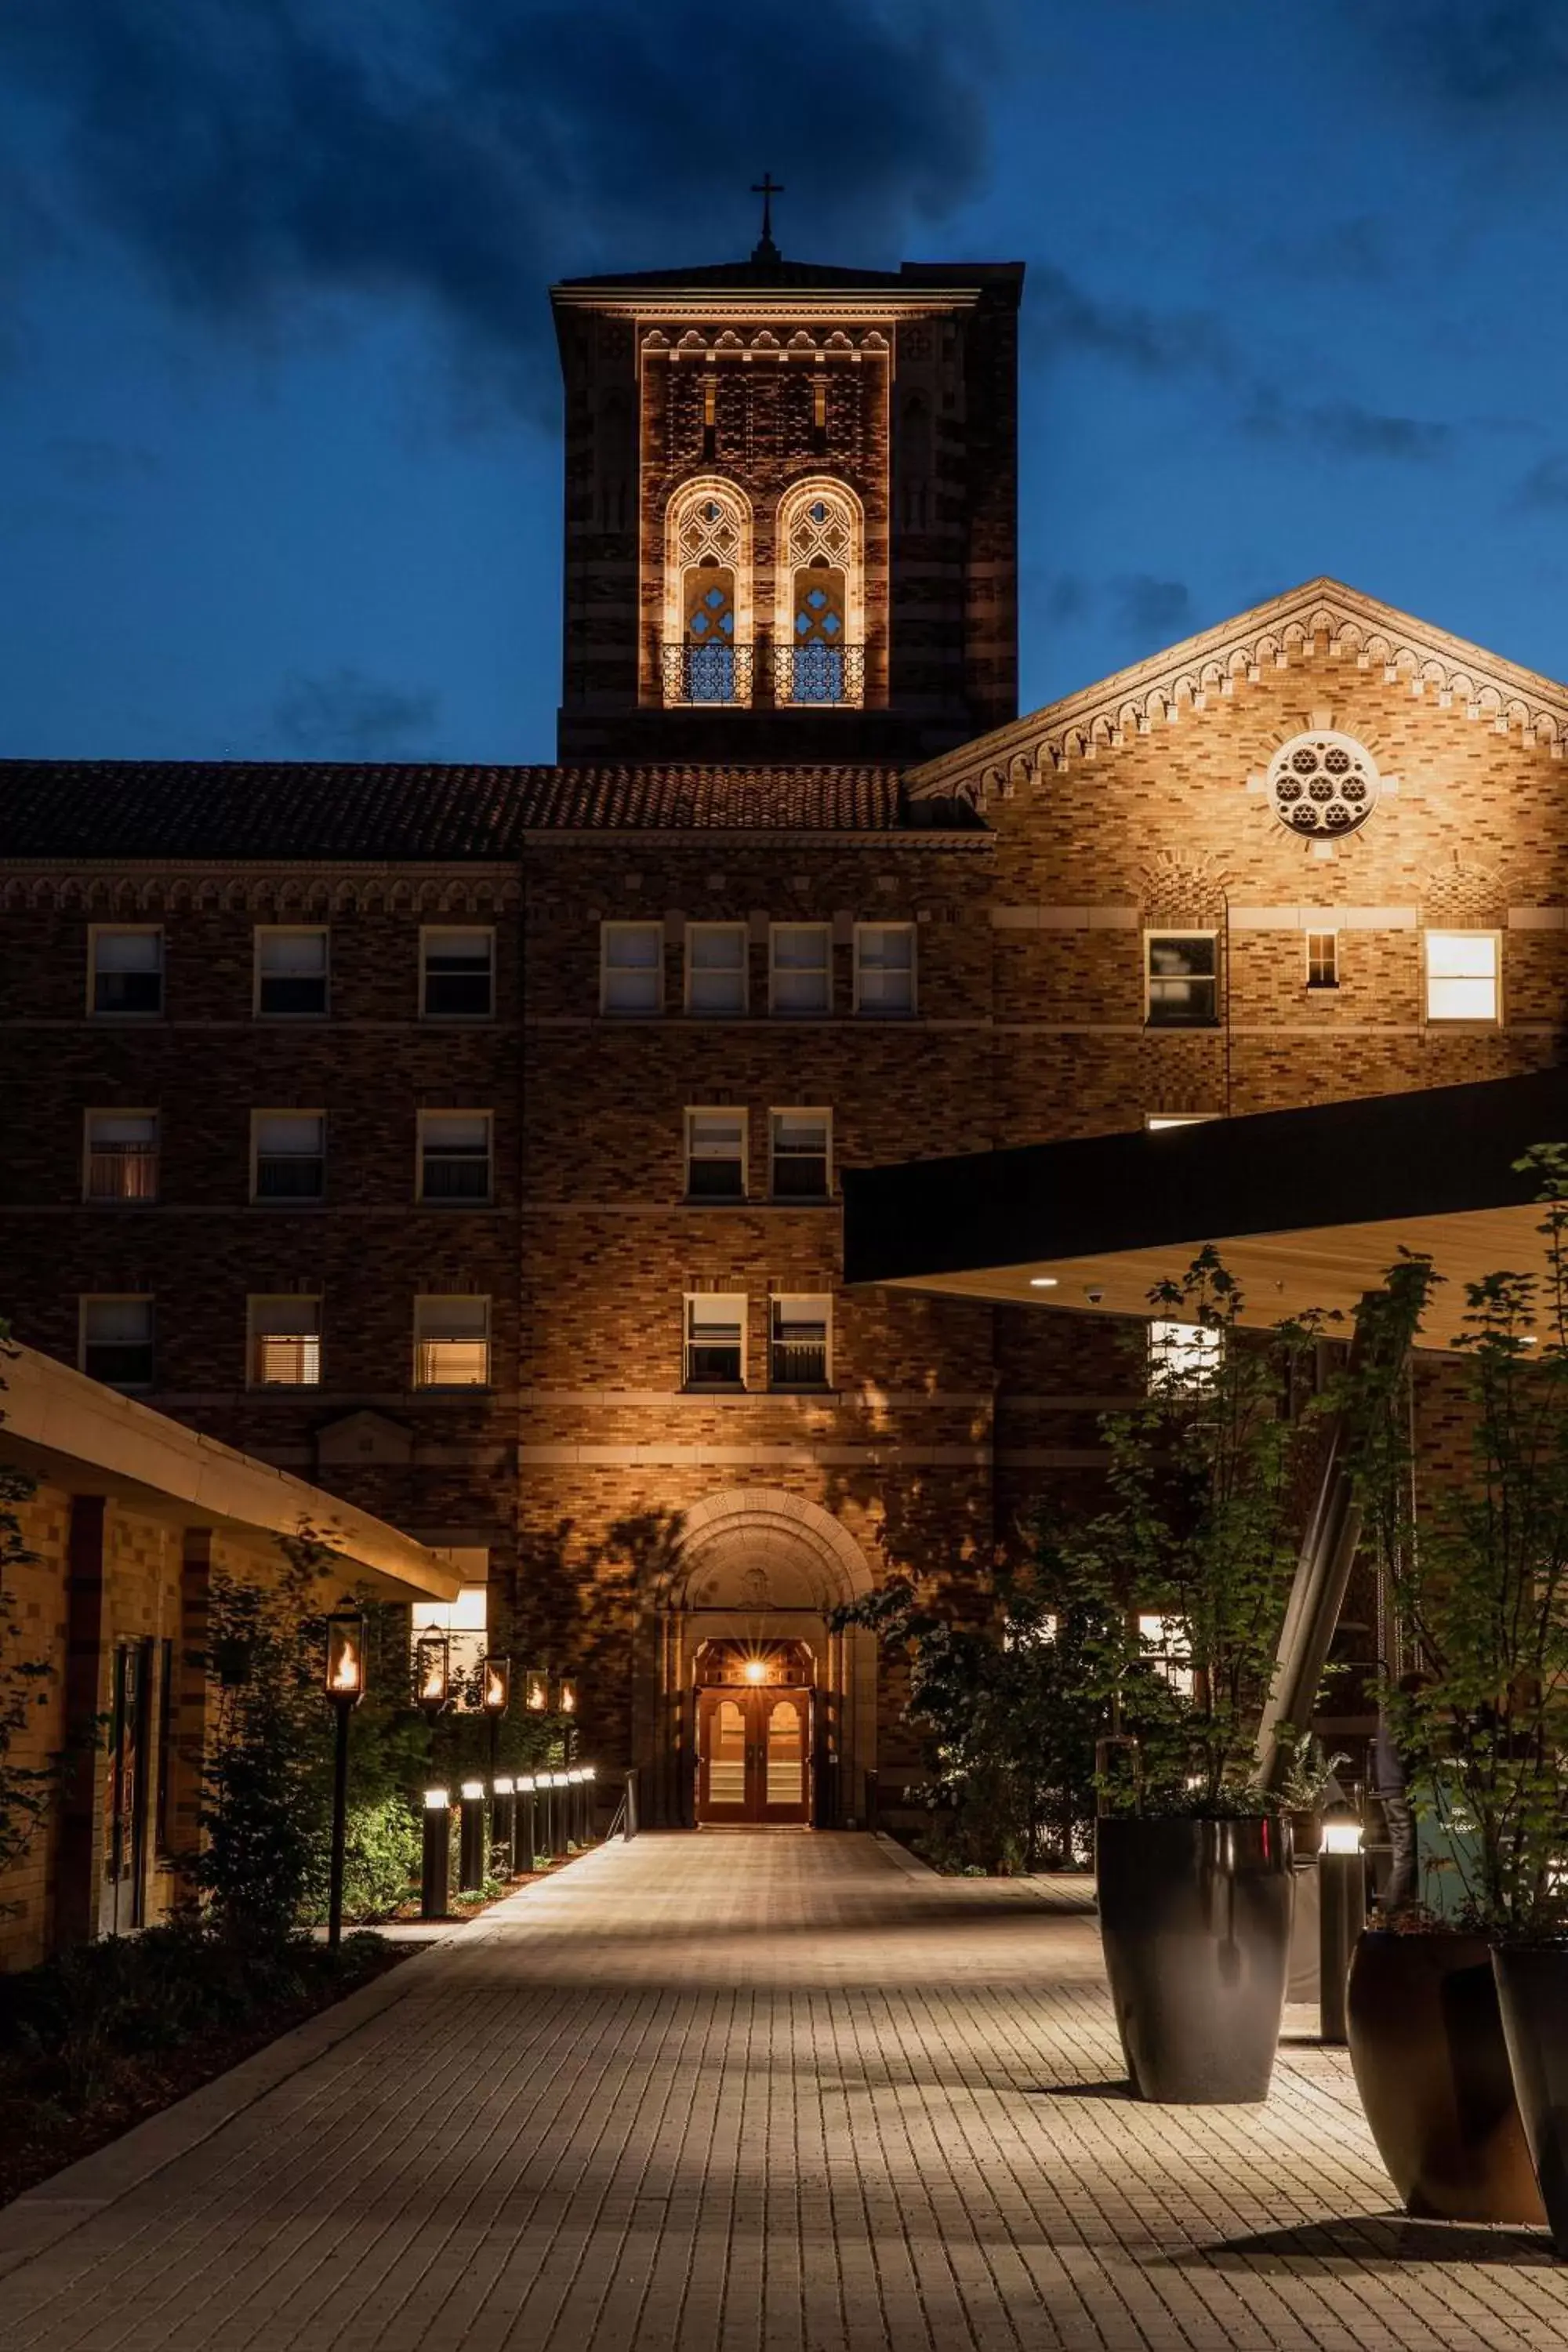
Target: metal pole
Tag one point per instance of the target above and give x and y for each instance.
(471, 1837)
(435, 1861)
(1341, 1916)
(339, 1827)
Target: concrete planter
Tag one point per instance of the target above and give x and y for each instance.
(1431, 2064)
(1195, 1920)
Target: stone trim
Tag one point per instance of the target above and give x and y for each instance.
(1065, 919)
(1324, 919)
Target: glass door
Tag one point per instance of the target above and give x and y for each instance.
(724, 1746)
(785, 1753)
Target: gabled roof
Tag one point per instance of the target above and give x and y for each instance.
(102, 809)
(1346, 623)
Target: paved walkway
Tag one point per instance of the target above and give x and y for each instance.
(749, 2094)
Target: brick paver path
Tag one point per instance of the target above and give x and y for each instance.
(769, 2094)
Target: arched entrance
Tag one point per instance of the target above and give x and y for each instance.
(754, 1572)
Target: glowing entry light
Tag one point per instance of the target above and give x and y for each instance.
(345, 1659)
(756, 1670)
(1042, 1282)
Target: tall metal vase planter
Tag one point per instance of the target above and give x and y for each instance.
(1532, 1993)
(1194, 1916)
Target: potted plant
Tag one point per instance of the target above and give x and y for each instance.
(1199, 1540)
(1476, 1565)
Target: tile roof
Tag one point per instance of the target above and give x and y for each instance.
(96, 809)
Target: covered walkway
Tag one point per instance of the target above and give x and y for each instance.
(748, 2093)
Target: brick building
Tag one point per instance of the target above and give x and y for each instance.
(468, 1139)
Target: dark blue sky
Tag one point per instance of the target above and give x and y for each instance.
(277, 385)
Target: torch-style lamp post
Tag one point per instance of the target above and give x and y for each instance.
(432, 1671)
(495, 1698)
(346, 1688)
(566, 1709)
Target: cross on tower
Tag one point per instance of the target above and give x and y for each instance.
(767, 187)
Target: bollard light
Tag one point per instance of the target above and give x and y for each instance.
(1342, 1915)
(432, 1670)
(525, 1820)
(435, 1861)
(503, 1814)
(344, 1688)
(471, 1837)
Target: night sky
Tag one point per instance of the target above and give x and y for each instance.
(277, 394)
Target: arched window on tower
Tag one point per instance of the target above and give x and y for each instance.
(819, 626)
(707, 648)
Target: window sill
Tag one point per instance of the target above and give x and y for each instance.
(715, 1388)
(1181, 1028)
(713, 1201)
(803, 1389)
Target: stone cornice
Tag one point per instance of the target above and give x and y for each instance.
(1322, 617)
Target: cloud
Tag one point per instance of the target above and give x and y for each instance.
(347, 715)
(1061, 315)
(1146, 607)
(1345, 429)
(1491, 56)
(254, 154)
(1545, 485)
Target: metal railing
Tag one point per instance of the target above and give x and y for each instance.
(823, 677)
(718, 674)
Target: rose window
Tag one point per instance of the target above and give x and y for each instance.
(1323, 784)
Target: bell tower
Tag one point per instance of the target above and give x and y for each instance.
(791, 531)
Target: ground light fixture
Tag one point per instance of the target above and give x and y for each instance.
(432, 1670)
(503, 1823)
(525, 1819)
(435, 1861)
(1342, 1914)
(344, 1689)
(471, 1837)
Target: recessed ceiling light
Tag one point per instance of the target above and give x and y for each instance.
(1042, 1282)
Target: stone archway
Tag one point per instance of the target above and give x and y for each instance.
(754, 1563)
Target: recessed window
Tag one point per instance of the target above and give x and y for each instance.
(128, 971)
(800, 968)
(454, 1156)
(716, 1155)
(285, 1342)
(1183, 1355)
(716, 1340)
(1462, 976)
(451, 1341)
(117, 1341)
(289, 1153)
(716, 967)
(797, 1342)
(1181, 980)
(631, 972)
(1323, 958)
(884, 968)
(291, 972)
(801, 1155)
(457, 974)
(1167, 1645)
(121, 1155)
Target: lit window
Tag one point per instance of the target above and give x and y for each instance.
(801, 1155)
(463, 1623)
(454, 1156)
(797, 1351)
(1461, 976)
(121, 1155)
(285, 1342)
(716, 1340)
(291, 972)
(716, 967)
(820, 615)
(451, 1342)
(289, 1154)
(884, 968)
(1323, 958)
(1180, 982)
(117, 1341)
(1183, 1355)
(800, 968)
(457, 974)
(631, 977)
(1164, 1642)
(128, 971)
(716, 1155)
(707, 648)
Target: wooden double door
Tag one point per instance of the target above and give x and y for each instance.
(753, 1754)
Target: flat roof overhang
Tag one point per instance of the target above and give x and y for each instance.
(1307, 1207)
